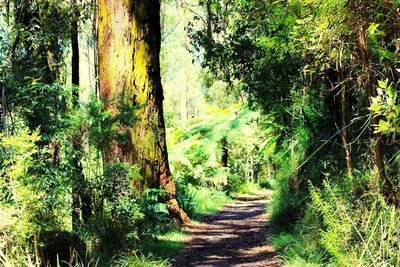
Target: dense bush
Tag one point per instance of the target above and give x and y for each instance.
(36, 199)
(35, 196)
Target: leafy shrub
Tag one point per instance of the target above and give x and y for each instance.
(233, 184)
(200, 130)
(197, 154)
(36, 192)
(197, 201)
(156, 214)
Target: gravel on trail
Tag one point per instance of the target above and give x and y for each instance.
(235, 236)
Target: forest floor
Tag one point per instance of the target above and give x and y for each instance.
(235, 236)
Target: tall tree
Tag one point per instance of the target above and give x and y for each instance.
(75, 49)
(75, 84)
(82, 201)
(32, 87)
(40, 37)
(129, 41)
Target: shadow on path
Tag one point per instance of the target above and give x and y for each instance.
(235, 236)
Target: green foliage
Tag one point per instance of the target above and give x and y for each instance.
(305, 63)
(156, 214)
(339, 231)
(122, 213)
(251, 188)
(234, 183)
(363, 236)
(138, 260)
(196, 156)
(166, 245)
(101, 124)
(385, 105)
(197, 201)
(239, 46)
(23, 261)
(38, 185)
(311, 70)
(44, 105)
(35, 192)
(282, 241)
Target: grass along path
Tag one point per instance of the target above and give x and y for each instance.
(235, 236)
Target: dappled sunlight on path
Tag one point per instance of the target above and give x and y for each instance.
(236, 236)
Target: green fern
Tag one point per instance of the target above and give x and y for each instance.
(337, 236)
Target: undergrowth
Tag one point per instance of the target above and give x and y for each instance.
(322, 217)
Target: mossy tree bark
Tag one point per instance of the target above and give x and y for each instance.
(129, 41)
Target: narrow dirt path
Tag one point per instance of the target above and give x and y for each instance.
(235, 236)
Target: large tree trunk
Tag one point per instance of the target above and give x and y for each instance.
(129, 42)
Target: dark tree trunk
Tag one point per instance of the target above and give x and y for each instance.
(336, 82)
(387, 188)
(3, 109)
(225, 152)
(75, 143)
(345, 139)
(75, 51)
(81, 200)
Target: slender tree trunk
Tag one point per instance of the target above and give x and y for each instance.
(4, 109)
(387, 187)
(346, 146)
(129, 41)
(75, 51)
(36, 238)
(81, 201)
(225, 152)
(209, 20)
(345, 139)
(308, 122)
(95, 33)
(75, 143)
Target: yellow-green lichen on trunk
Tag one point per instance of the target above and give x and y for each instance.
(129, 47)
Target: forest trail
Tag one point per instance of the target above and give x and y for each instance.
(235, 236)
